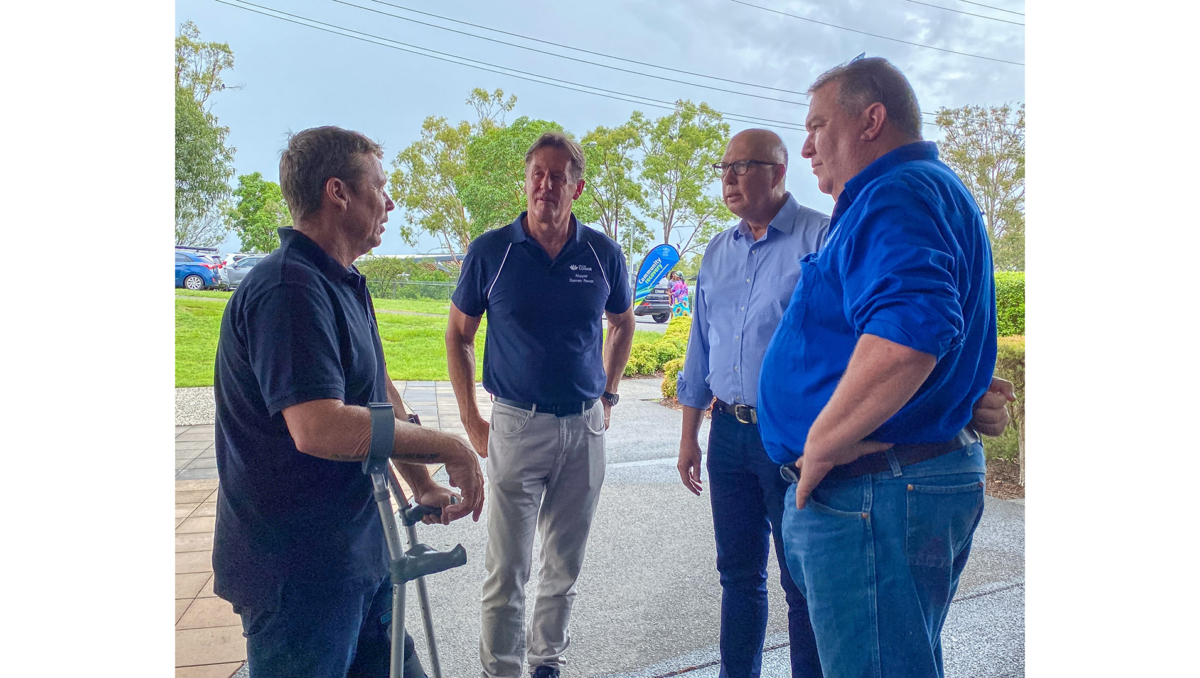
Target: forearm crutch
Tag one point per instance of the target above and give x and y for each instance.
(420, 560)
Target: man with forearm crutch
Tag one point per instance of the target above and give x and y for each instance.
(299, 547)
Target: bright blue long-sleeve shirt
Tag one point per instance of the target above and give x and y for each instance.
(741, 291)
(907, 259)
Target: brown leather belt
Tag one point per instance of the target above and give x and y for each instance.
(906, 455)
(743, 413)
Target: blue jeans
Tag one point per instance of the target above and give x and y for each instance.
(747, 505)
(878, 558)
(325, 630)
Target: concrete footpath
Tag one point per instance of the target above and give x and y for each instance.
(649, 595)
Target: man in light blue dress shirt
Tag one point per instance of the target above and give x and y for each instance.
(746, 279)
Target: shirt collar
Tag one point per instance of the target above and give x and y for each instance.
(307, 246)
(920, 150)
(517, 231)
(784, 221)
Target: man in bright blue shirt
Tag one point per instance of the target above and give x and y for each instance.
(748, 275)
(745, 280)
(869, 381)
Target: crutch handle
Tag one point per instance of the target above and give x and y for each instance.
(414, 515)
(421, 560)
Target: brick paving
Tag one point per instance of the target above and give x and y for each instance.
(208, 635)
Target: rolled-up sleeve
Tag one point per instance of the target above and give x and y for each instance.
(693, 388)
(898, 275)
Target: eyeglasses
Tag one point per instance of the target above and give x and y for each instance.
(740, 167)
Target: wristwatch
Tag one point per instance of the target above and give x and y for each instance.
(414, 419)
(611, 398)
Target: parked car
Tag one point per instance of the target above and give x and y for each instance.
(231, 259)
(236, 271)
(196, 271)
(657, 304)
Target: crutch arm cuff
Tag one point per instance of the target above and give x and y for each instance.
(383, 436)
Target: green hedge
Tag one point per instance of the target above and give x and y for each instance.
(1010, 365)
(1010, 303)
(390, 269)
(651, 358)
(670, 383)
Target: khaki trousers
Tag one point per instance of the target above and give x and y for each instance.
(544, 473)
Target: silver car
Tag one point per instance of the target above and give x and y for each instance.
(235, 272)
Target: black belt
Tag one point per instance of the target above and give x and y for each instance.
(557, 409)
(905, 455)
(743, 413)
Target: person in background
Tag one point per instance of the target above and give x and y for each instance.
(680, 303)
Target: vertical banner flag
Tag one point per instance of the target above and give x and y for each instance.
(656, 265)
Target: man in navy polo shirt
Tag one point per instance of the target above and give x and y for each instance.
(298, 547)
(868, 383)
(544, 281)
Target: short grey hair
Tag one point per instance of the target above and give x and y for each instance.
(315, 155)
(564, 142)
(867, 81)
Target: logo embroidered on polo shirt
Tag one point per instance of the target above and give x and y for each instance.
(581, 274)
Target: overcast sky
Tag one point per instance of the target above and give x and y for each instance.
(294, 77)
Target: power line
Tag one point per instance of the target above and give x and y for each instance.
(581, 50)
(566, 84)
(595, 91)
(571, 58)
(874, 35)
(959, 11)
(486, 28)
(990, 7)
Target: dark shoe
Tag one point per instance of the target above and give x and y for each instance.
(544, 672)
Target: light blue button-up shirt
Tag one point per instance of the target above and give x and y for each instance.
(743, 287)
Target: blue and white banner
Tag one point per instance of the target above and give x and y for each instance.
(656, 265)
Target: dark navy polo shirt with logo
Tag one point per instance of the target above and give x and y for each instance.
(300, 327)
(544, 329)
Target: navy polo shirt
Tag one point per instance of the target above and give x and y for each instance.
(300, 327)
(544, 331)
(907, 259)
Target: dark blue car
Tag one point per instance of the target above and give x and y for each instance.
(195, 271)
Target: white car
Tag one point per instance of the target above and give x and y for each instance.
(235, 272)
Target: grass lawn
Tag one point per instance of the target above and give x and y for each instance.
(197, 327)
(413, 345)
(415, 305)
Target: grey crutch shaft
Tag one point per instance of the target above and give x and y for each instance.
(383, 499)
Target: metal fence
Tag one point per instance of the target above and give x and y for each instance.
(411, 289)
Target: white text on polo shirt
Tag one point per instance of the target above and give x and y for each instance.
(580, 277)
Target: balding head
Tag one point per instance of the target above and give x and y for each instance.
(760, 144)
(757, 195)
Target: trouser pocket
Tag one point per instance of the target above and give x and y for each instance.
(941, 520)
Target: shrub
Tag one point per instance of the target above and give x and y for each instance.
(641, 359)
(1010, 303)
(680, 327)
(391, 269)
(652, 357)
(670, 385)
(1010, 365)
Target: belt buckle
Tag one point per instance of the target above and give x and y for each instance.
(749, 417)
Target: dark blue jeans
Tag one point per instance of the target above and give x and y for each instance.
(879, 557)
(747, 505)
(326, 630)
